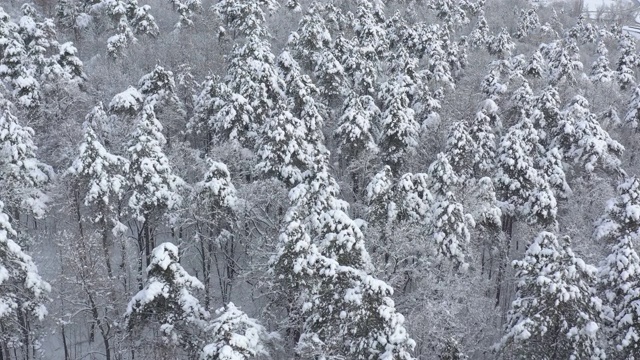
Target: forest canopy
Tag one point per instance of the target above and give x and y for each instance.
(297, 179)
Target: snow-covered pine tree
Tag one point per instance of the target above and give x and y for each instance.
(554, 305)
(19, 73)
(622, 216)
(369, 29)
(330, 75)
(619, 277)
(158, 87)
(501, 45)
(439, 69)
(527, 23)
(600, 70)
(398, 126)
(234, 336)
(213, 204)
(166, 304)
(380, 196)
(480, 36)
(283, 149)
(548, 116)
(491, 85)
(452, 351)
(23, 177)
(619, 274)
(335, 273)
(300, 92)
(627, 61)
(551, 166)
(633, 113)
(450, 223)
(361, 321)
(525, 192)
(141, 20)
(536, 67)
(582, 139)
(252, 74)
(312, 36)
(155, 189)
(186, 10)
(99, 176)
(356, 126)
(22, 293)
(563, 58)
(461, 150)
(245, 16)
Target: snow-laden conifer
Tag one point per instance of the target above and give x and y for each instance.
(23, 177)
(554, 304)
(166, 302)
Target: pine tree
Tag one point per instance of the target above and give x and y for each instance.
(619, 276)
(300, 92)
(214, 203)
(355, 128)
(480, 36)
(235, 336)
(524, 190)
(536, 66)
(527, 23)
(155, 189)
(442, 178)
(20, 74)
(158, 86)
(627, 61)
(548, 115)
(413, 199)
(380, 195)
(399, 127)
(336, 287)
(554, 305)
(186, 10)
(283, 150)
(253, 75)
(552, 168)
(369, 29)
(245, 16)
(141, 20)
(166, 301)
(99, 175)
(564, 60)
(501, 45)
(461, 150)
(361, 321)
(450, 230)
(619, 273)
(450, 223)
(600, 70)
(451, 351)
(22, 291)
(621, 214)
(582, 139)
(24, 177)
(330, 74)
(633, 114)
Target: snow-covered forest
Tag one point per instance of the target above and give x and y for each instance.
(318, 180)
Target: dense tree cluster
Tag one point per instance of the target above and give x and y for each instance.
(363, 180)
